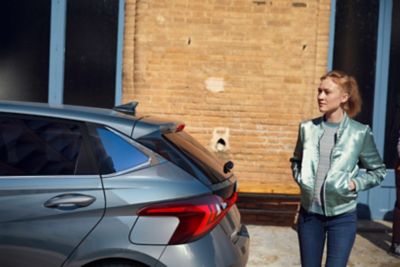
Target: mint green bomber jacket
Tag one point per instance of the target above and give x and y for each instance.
(354, 144)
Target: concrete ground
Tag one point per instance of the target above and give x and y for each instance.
(277, 246)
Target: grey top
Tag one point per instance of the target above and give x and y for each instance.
(326, 144)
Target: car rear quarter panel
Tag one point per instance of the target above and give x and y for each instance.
(125, 195)
(214, 249)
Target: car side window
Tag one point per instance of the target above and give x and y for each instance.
(38, 146)
(114, 153)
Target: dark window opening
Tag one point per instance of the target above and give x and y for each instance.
(355, 46)
(393, 96)
(24, 50)
(91, 49)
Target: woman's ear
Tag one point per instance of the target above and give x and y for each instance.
(344, 98)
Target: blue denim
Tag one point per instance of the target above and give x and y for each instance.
(340, 232)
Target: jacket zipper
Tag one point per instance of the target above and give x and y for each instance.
(317, 164)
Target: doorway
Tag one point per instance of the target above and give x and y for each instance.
(364, 42)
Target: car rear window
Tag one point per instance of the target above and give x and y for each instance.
(113, 153)
(183, 150)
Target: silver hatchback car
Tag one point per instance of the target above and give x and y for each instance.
(99, 187)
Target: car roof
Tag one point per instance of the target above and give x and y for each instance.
(118, 120)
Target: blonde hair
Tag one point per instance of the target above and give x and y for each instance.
(349, 85)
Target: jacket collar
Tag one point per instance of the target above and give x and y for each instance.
(343, 124)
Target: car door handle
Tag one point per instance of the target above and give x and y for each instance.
(69, 201)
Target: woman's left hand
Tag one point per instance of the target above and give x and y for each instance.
(352, 186)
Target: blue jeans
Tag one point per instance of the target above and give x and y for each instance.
(339, 230)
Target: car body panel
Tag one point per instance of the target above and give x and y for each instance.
(110, 240)
(153, 230)
(214, 249)
(126, 194)
(157, 183)
(34, 235)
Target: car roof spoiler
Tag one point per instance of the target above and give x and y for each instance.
(148, 125)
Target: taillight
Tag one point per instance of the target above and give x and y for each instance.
(196, 216)
(180, 127)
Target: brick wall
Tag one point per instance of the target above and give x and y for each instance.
(268, 209)
(241, 71)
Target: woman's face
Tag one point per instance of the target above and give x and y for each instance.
(330, 97)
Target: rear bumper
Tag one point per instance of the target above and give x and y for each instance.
(214, 249)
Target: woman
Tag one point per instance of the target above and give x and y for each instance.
(325, 165)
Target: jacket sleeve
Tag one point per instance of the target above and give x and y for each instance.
(297, 156)
(372, 162)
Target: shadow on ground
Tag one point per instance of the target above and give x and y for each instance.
(378, 233)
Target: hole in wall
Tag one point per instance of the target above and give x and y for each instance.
(220, 139)
(220, 145)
